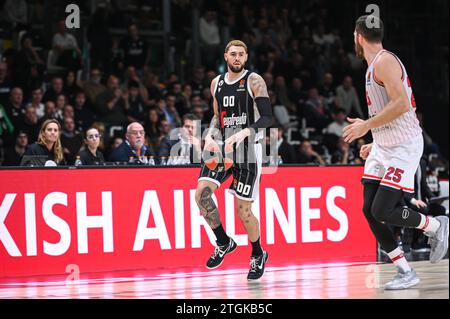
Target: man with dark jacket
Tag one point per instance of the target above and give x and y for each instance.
(183, 142)
(133, 146)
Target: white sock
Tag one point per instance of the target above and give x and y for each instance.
(429, 224)
(399, 259)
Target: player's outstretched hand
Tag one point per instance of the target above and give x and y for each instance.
(365, 151)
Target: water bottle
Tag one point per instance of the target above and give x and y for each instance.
(151, 161)
(187, 160)
(131, 160)
(272, 161)
(280, 160)
(143, 159)
(78, 161)
(163, 160)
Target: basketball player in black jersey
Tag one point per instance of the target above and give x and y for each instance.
(241, 106)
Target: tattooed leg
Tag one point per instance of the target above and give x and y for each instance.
(207, 206)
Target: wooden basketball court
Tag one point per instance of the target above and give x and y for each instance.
(320, 281)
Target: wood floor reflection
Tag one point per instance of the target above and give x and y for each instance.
(355, 281)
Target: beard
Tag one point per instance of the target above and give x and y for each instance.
(235, 69)
(359, 50)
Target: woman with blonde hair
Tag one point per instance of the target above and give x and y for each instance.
(48, 142)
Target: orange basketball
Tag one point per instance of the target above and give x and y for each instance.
(228, 161)
(213, 161)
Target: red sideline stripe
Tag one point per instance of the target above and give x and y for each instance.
(372, 176)
(397, 257)
(411, 190)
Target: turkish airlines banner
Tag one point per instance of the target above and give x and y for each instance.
(147, 218)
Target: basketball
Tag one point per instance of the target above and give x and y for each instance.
(228, 161)
(212, 161)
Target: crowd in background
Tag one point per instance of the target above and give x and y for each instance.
(300, 52)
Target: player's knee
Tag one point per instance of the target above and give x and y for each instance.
(380, 212)
(244, 212)
(198, 195)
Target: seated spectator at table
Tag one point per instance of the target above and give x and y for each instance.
(48, 143)
(184, 141)
(133, 146)
(13, 154)
(90, 154)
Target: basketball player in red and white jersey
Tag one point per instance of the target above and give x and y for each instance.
(393, 157)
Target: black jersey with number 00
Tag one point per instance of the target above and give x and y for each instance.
(237, 108)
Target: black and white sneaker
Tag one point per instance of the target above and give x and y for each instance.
(217, 257)
(257, 265)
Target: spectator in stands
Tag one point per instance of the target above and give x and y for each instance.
(70, 86)
(170, 114)
(328, 91)
(90, 153)
(198, 81)
(16, 12)
(135, 50)
(36, 101)
(15, 107)
(210, 39)
(30, 124)
(279, 111)
(153, 129)
(93, 86)
(29, 67)
(65, 46)
(340, 121)
(308, 155)
(284, 149)
(199, 112)
(298, 96)
(50, 112)
(133, 146)
(114, 143)
(84, 117)
(48, 142)
(13, 154)
(348, 98)
(6, 127)
(315, 112)
(344, 154)
(183, 141)
(57, 88)
(5, 83)
(71, 140)
(135, 107)
(111, 105)
(131, 76)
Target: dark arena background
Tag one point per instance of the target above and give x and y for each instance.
(114, 223)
